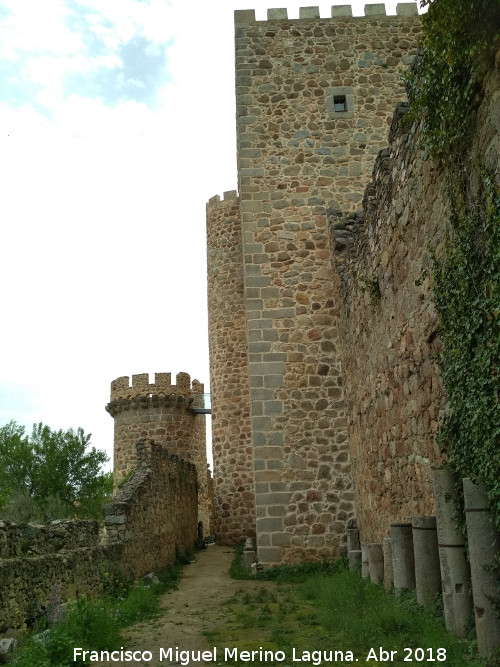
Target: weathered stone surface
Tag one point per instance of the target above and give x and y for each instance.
(154, 513)
(296, 153)
(341, 364)
(229, 374)
(35, 561)
(7, 647)
(389, 325)
(484, 547)
(160, 411)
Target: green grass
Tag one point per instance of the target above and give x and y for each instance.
(324, 606)
(95, 624)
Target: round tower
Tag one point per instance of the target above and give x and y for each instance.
(163, 412)
(234, 481)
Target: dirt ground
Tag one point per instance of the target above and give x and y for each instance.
(196, 606)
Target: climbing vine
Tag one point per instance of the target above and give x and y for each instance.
(459, 42)
(460, 39)
(467, 296)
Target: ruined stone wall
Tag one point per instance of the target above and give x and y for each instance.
(389, 332)
(229, 377)
(389, 324)
(44, 565)
(314, 102)
(159, 411)
(154, 513)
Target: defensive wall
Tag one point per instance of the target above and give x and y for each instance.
(44, 565)
(341, 331)
(155, 513)
(389, 325)
(389, 338)
(152, 516)
(162, 491)
(314, 100)
(162, 411)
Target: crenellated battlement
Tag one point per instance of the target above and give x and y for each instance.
(161, 387)
(163, 410)
(230, 195)
(244, 17)
(314, 101)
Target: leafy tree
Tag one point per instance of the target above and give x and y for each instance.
(51, 474)
(15, 461)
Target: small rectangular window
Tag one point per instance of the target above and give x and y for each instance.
(339, 103)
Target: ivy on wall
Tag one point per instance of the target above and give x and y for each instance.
(459, 42)
(460, 39)
(467, 296)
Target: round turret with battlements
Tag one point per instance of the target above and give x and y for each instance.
(163, 412)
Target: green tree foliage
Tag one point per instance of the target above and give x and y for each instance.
(51, 474)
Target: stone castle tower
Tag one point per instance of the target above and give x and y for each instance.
(166, 413)
(314, 100)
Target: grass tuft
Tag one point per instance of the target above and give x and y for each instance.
(95, 623)
(324, 606)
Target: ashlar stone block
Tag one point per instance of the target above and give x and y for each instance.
(309, 12)
(277, 14)
(376, 9)
(339, 11)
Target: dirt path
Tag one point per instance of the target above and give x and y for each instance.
(195, 607)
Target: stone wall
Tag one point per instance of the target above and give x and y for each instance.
(389, 333)
(389, 324)
(314, 101)
(160, 411)
(229, 377)
(151, 516)
(154, 513)
(41, 565)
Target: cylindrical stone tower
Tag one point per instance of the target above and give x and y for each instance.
(229, 374)
(163, 412)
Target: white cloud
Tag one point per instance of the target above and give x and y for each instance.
(32, 27)
(118, 21)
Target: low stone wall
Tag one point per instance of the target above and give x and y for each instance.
(44, 565)
(154, 513)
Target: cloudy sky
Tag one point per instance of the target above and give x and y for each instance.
(117, 125)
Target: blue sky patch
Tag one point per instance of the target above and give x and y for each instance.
(142, 74)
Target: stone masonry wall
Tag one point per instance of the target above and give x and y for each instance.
(154, 513)
(389, 331)
(159, 411)
(314, 102)
(389, 323)
(229, 377)
(41, 565)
